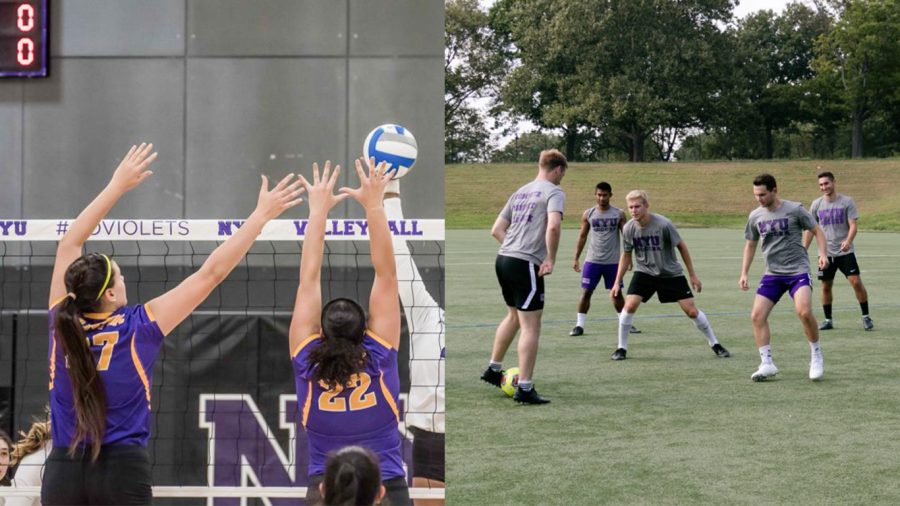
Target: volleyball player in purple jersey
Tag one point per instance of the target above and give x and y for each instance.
(345, 366)
(102, 350)
(780, 225)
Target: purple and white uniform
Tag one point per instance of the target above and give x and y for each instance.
(125, 344)
(364, 413)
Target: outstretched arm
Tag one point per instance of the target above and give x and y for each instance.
(172, 307)
(132, 171)
(308, 303)
(384, 306)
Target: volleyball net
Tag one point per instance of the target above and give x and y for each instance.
(225, 423)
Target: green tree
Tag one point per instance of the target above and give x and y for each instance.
(858, 62)
(474, 64)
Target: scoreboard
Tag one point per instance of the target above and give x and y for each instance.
(23, 38)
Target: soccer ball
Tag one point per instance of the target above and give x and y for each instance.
(509, 381)
(392, 144)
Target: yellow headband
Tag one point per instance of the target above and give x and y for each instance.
(108, 274)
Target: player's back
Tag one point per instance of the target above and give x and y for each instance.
(125, 345)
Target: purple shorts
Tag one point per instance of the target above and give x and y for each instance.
(591, 274)
(773, 287)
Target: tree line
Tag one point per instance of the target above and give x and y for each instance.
(639, 80)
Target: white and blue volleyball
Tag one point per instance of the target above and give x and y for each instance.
(392, 144)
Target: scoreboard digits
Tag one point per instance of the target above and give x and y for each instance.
(23, 38)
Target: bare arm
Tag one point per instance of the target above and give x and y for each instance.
(851, 234)
(172, 307)
(498, 231)
(554, 228)
(807, 239)
(307, 315)
(384, 304)
(582, 239)
(689, 265)
(130, 173)
(749, 251)
(823, 247)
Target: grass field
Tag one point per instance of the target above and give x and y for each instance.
(673, 424)
(691, 194)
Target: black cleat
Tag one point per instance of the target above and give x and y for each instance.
(634, 330)
(619, 354)
(493, 377)
(868, 324)
(720, 351)
(577, 331)
(529, 397)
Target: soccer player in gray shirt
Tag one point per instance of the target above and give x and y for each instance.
(601, 224)
(652, 240)
(780, 225)
(836, 214)
(528, 230)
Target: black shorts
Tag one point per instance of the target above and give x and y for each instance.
(428, 454)
(667, 289)
(121, 475)
(396, 491)
(522, 288)
(846, 263)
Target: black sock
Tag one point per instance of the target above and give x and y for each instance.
(865, 308)
(827, 308)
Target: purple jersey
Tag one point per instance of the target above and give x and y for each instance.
(363, 413)
(125, 344)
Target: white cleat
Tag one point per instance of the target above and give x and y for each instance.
(816, 368)
(764, 372)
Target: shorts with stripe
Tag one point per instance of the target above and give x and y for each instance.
(522, 287)
(667, 289)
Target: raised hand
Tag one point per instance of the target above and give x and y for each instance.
(132, 170)
(321, 191)
(371, 185)
(283, 196)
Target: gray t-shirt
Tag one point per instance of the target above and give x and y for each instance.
(653, 246)
(782, 237)
(526, 211)
(603, 238)
(834, 218)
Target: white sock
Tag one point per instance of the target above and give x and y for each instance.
(496, 366)
(703, 324)
(765, 353)
(625, 321)
(815, 349)
(526, 385)
(579, 320)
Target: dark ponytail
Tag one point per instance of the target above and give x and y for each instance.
(352, 477)
(85, 280)
(340, 354)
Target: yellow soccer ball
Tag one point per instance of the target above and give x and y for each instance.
(509, 381)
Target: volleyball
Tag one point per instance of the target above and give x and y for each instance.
(393, 144)
(509, 381)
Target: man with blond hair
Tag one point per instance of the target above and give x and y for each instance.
(528, 229)
(651, 239)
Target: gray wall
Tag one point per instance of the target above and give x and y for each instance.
(226, 90)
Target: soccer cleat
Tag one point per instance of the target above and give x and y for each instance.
(816, 368)
(493, 377)
(577, 331)
(529, 397)
(634, 330)
(826, 324)
(764, 372)
(720, 351)
(619, 354)
(868, 324)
